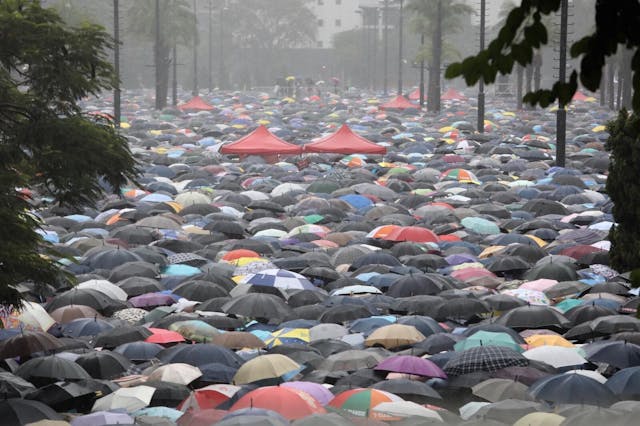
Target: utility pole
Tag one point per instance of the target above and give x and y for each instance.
(422, 69)
(385, 35)
(157, 58)
(223, 77)
(116, 63)
(210, 48)
(480, 125)
(174, 82)
(561, 115)
(400, 28)
(195, 49)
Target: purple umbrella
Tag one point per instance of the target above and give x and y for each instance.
(409, 364)
(151, 299)
(316, 390)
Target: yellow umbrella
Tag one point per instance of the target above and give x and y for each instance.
(599, 128)
(508, 113)
(288, 335)
(124, 125)
(263, 367)
(446, 129)
(540, 419)
(263, 122)
(155, 132)
(394, 335)
(489, 251)
(538, 241)
(548, 340)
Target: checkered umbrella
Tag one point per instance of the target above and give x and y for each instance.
(484, 358)
(280, 278)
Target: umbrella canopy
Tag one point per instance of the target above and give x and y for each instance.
(495, 390)
(27, 343)
(179, 373)
(18, 412)
(411, 365)
(483, 358)
(291, 403)
(264, 367)
(127, 399)
(572, 389)
(360, 402)
(394, 335)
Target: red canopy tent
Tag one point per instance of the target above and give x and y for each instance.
(452, 95)
(195, 104)
(399, 102)
(344, 141)
(415, 95)
(260, 142)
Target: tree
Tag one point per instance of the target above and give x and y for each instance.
(524, 31)
(176, 25)
(436, 18)
(47, 144)
(624, 145)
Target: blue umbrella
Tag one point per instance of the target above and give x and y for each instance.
(625, 383)
(572, 388)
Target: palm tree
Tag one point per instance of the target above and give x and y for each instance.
(436, 18)
(176, 21)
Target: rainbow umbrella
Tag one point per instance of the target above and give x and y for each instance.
(360, 402)
(460, 175)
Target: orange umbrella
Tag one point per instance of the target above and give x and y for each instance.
(291, 403)
(162, 336)
(237, 254)
(412, 233)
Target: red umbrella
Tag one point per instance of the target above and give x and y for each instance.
(208, 397)
(162, 336)
(413, 233)
(289, 402)
(201, 417)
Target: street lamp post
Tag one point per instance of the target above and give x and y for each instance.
(116, 62)
(195, 48)
(480, 125)
(400, 29)
(210, 49)
(385, 35)
(221, 64)
(561, 115)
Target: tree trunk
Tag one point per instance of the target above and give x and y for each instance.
(626, 78)
(611, 84)
(433, 97)
(528, 72)
(537, 71)
(164, 66)
(519, 72)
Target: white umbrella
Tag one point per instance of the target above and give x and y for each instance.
(192, 197)
(36, 316)
(105, 287)
(129, 399)
(405, 409)
(179, 373)
(555, 356)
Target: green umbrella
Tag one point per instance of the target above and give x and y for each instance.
(488, 338)
(313, 218)
(480, 225)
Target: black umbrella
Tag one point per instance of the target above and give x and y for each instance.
(110, 258)
(330, 346)
(572, 388)
(418, 305)
(65, 396)
(559, 271)
(104, 364)
(625, 383)
(88, 297)
(49, 369)
(139, 351)
(483, 358)
(437, 343)
(19, 412)
(506, 411)
(215, 372)
(503, 302)
(121, 335)
(12, 386)
(508, 265)
(85, 327)
(342, 313)
(533, 317)
(416, 284)
(28, 342)
(258, 305)
(306, 297)
(587, 312)
(462, 308)
(167, 394)
(603, 326)
(494, 328)
(409, 390)
(135, 286)
(134, 270)
(617, 353)
(199, 290)
(200, 354)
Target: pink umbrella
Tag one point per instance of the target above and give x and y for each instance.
(538, 285)
(316, 390)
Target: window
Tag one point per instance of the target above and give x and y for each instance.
(338, 22)
(320, 44)
(320, 22)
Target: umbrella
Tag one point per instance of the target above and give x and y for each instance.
(50, 369)
(625, 383)
(506, 411)
(18, 412)
(619, 354)
(104, 364)
(572, 389)
(65, 396)
(265, 367)
(411, 365)
(488, 338)
(403, 409)
(179, 373)
(162, 336)
(279, 278)
(208, 397)
(12, 386)
(258, 305)
(533, 316)
(68, 313)
(103, 418)
(350, 360)
(238, 340)
(121, 335)
(127, 399)
(319, 392)
(556, 356)
(27, 343)
(289, 402)
(540, 419)
(394, 335)
(410, 390)
(360, 402)
(199, 355)
(483, 358)
(495, 390)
